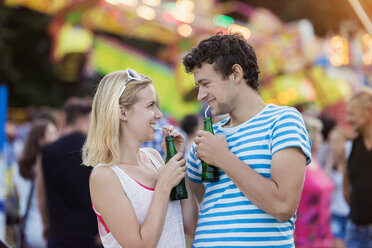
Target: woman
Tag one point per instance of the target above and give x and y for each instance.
(129, 186)
(335, 167)
(41, 133)
(313, 224)
(357, 178)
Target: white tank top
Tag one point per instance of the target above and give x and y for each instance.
(140, 197)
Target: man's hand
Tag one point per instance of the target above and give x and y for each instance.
(210, 148)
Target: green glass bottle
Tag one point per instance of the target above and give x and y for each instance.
(210, 173)
(179, 191)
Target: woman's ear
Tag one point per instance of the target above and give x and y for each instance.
(122, 113)
(237, 73)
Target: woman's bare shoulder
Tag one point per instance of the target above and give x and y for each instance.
(155, 153)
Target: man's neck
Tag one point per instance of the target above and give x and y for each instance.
(248, 105)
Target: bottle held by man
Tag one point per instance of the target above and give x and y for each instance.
(179, 191)
(210, 173)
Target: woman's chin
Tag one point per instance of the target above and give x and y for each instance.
(150, 138)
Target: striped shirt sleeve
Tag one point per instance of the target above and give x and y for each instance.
(289, 131)
(193, 166)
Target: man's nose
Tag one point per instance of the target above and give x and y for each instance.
(201, 94)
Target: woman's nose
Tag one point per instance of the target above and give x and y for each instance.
(158, 114)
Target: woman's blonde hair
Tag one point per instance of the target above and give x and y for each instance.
(102, 144)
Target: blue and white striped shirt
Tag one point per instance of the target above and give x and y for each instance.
(227, 218)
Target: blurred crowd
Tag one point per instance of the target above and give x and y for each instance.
(47, 186)
(334, 210)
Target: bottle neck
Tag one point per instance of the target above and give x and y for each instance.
(208, 124)
(171, 147)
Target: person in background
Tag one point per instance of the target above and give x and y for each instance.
(41, 132)
(324, 150)
(190, 124)
(32, 115)
(313, 224)
(16, 137)
(130, 186)
(334, 168)
(261, 151)
(357, 177)
(13, 145)
(63, 184)
(11, 153)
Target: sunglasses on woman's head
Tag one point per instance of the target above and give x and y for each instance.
(131, 75)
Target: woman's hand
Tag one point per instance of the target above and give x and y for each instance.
(179, 140)
(172, 173)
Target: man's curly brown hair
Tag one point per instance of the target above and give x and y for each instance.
(223, 51)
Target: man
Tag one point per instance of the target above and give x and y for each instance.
(63, 184)
(357, 179)
(261, 150)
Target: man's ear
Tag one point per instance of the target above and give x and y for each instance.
(122, 113)
(238, 73)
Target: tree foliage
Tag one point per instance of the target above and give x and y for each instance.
(25, 65)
